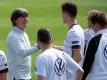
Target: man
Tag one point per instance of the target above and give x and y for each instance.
(74, 41)
(95, 63)
(52, 63)
(3, 66)
(89, 33)
(19, 48)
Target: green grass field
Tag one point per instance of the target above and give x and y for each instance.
(44, 13)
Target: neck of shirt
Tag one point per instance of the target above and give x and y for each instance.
(18, 30)
(72, 25)
(102, 31)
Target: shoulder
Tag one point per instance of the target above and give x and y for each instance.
(86, 31)
(25, 34)
(87, 34)
(12, 35)
(96, 38)
(72, 33)
(46, 55)
(95, 41)
(40, 57)
(2, 54)
(3, 62)
(76, 30)
(77, 27)
(2, 57)
(40, 61)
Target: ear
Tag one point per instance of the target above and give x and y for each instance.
(51, 39)
(96, 27)
(39, 44)
(16, 21)
(66, 14)
(38, 41)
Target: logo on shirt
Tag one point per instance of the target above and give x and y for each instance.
(59, 66)
(105, 51)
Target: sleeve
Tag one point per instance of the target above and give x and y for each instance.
(71, 64)
(3, 63)
(17, 45)
(90, 55)
(40, 67)
(74, 39)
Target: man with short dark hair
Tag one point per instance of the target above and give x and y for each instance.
(19, 48)
(52, 63)
(74, 41)
(95, 63)
(70, 8)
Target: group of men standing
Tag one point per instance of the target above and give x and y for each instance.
(82, 57)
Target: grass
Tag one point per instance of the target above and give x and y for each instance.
(44, 13)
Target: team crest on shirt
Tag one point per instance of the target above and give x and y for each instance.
(59, 66)
(105, 51)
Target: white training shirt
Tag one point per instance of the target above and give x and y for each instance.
(52, 64)
(74, 38)
(19, 51)
(88, 34)
(3, 61)
(99, 66)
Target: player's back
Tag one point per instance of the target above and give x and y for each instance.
(54, 63)
(99, 67)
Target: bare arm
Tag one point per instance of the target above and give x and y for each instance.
(79, 74)
(3, 76)
(40, 78)
(58, 47)
(75, 67)
(76, 55)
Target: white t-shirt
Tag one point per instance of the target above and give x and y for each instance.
(74, 40)
(3, 61)
(52, 64)
(99, 66)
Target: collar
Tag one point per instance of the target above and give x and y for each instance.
(102, 31)
(72, 25)
(16, 29)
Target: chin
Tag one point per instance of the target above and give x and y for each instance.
(26, 26)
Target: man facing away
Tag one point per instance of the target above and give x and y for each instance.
(53, 63)
(95, 62)
(89, 33)
(19, 48)
(74, 41)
